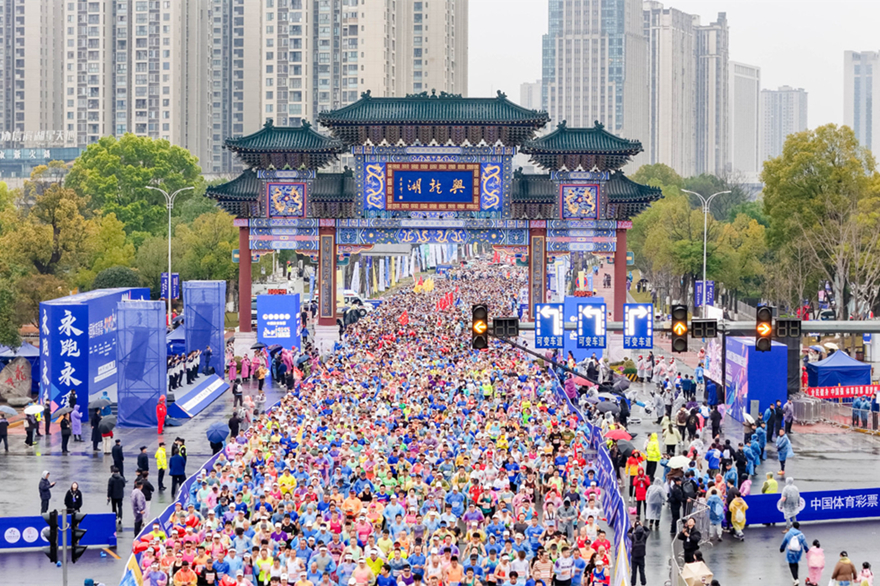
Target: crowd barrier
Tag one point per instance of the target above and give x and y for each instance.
(613, 503)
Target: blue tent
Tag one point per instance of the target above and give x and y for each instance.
(26, 350)
(838, 369)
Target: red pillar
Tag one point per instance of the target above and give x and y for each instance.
(244, 279)
(326, 276)
(537, 268)
(620, 274)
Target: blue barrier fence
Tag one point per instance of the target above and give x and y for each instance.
(824, 505)
(24, 533)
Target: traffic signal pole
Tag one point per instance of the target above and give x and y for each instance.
(65, 525)
(537, 355)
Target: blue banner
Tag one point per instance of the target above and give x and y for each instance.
(175, 286)
(825, 505)
(549, 325)
(698, 293)
(17, 533)
(591, 321)
(638, 325)
(435, 186)
(278, 320)
(754, 376)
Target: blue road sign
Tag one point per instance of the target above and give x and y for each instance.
(698, 293)
(175, 286)
(638, 325)
(591, 322)
(549, 325)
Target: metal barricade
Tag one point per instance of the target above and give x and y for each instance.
(700, 515)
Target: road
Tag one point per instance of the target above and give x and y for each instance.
(21, 469)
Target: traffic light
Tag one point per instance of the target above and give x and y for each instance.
(763, 329)
(479, 326)
(679, 328)
(50, 534)
(505, 327)
(76, 534)
(788, 328)
(704, 328)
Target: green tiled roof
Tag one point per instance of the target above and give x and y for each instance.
(273, 138)
(626, 198)
(527, 188)
(433, 109)
(595, 140)
(244, 187)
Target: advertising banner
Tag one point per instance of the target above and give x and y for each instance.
(278, 320)
(21, 533)
(848, 392)
(754, 376)
(826, 505)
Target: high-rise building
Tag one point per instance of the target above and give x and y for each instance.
(783, 112)
(30, 52)
(712, 49)
(672, 70)
(744, 121)
(530, 95)
(595, 66)
(861, 85)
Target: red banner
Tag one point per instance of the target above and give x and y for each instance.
(847, 392)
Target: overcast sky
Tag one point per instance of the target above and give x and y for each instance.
(795, 42)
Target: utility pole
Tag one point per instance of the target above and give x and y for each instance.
(706, 201)
(65, 526)
(169, 203)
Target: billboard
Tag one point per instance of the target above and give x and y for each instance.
(78, 343)
(712, 360)
(754, 376)
(278, 320)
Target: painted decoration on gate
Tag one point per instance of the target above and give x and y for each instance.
(374, 186)
(491, 187)
(579, 201)
(432, 186)
(286, 199)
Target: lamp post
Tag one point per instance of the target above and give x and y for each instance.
(706, 201)
(169, 203)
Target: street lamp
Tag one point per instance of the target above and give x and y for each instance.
(706, 201)
(169, 203)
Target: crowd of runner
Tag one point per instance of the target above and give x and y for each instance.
(403, 458)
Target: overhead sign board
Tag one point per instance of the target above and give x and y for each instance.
(638, 326)
(591, 325)
(549, 325)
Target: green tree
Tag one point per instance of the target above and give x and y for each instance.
(151, 261)
(9, 319)
(207, 246)
(658, 175)
(117, 276)
(721, 206)
(115, 174)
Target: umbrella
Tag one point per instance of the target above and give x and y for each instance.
(622, 384)
(608, 406)
(217, 432)
(274, 349)
(608, 396)
(678, 462)
(817, 348)
(592, 399)
(582, 382)
(8, 410)
(748, 418)
(258, 346)
(33, 409)
(64, 411)
(618, 434)
(831, 346)
(626, 448)
(98, 403)
(107, 424)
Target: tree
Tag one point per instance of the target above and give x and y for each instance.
(658, 175)
(707, 185)
(115, 174)
(117, 276)
(30, 290)
(151, 261)
(9, 319)
(207, 246)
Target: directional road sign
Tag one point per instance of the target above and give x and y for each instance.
(549, 325)
(638, 326)
(591, 321)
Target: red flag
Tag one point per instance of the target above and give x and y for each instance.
(403, 319)
(421, 281)
(495, 256)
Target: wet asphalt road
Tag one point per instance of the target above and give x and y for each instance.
(20, 473)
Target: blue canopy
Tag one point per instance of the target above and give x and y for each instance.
(26, 350)
(838, 369)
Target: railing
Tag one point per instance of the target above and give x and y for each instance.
(700, 514)
(745, 309)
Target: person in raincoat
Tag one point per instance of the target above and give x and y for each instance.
(815, 564)
(760, 436)
(76, 424)
(784, 450)
(652, 455)
(790, 502)
(161, 413)
(641, 483)
(770, 485)
(794, 544)
(716, 513)
(738, 508)
(655, 498)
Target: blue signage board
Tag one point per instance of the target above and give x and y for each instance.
(175, 286)
(825, 505)
(549, 325)
(23, 533)
(571, 312)
(866, 338)
(433, 186)
(638, 326)
(591, 322)
(278, 320)
(698, 293)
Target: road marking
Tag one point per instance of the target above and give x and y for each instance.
(112, 553)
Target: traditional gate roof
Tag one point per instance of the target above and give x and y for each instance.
(626, 198)
(240, 197)
(281, 147)
(423, 118)
(585, 148)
